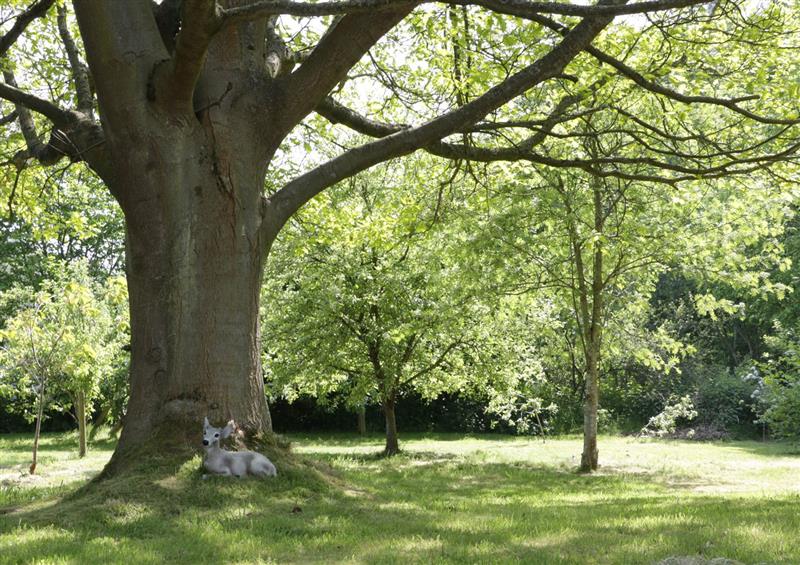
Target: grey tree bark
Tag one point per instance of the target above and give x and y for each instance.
(587, 291)
(590, 454)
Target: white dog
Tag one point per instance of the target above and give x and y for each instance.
(235, 463)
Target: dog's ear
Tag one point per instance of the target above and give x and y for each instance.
(205, 423)
(228, 429)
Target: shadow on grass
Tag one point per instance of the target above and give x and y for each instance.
(393, 511)
(350, 439)
(371, 458)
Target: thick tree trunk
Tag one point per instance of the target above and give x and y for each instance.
(392, 447)
(80, 415)
(195, 255)
(362, 419)
(38, 430)
(188, 139)
(195, 327)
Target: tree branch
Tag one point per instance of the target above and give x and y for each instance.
(173, 81)
(80, 72)
(35, 10)
(123, 44)
(8, 118)
(10, 92)
(639, 79)
(453, 151)
(74, 136)
(292, 196)
(435, 365)
(731, 104)
(278, 53)
(336, 113)
(342, 46)
(411, 342)
(520, 8)
(483, 127)
(26, 124)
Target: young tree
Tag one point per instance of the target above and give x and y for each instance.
(195, 99)
(29, 349)
(113, 391)
(369, 303)
(61, 341)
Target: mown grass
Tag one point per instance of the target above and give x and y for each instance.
(446, 499)
(59, 468)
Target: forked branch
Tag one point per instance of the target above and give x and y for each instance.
(174, 80)
(35, 10)
(10, 92)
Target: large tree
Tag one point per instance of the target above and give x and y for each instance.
(181, 107)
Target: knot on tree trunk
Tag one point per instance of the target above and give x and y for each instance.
(185, 411)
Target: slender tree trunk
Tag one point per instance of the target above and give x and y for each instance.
(588, 306)
(80, 414)
(593, 326)
(591, 401)
(392, 447)
(96, 425)
(117, 428)
(38, 431)
(362, 419)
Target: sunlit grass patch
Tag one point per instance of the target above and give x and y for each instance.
(445, 499)
(59, 468)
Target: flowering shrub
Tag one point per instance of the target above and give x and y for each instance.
(665, 423)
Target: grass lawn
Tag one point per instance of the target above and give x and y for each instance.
(446, 499)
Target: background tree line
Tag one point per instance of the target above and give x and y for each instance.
(462, 310)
